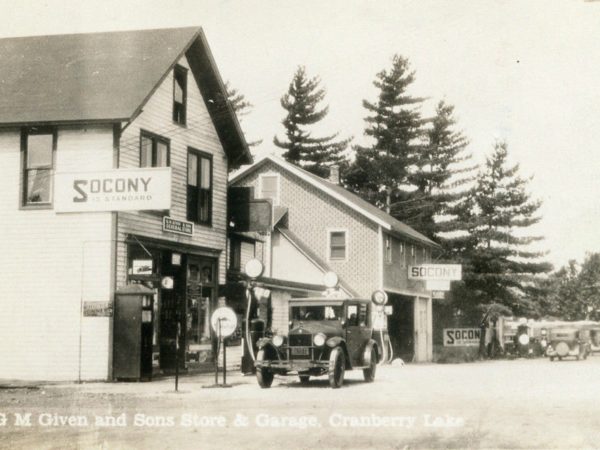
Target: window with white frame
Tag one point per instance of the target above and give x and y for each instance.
(38, 168)
(268, 187)
(402, 253)
(337, 245)
(388, 249)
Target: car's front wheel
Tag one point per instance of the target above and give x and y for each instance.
(304, 379)
(369, 372)
(337, 367)
(263, 374)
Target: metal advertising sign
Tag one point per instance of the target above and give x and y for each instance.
(437, 285)
(461, 337)
(223, 321)
(178, 226)
(114, 190)
(97, 309)
(438, 295)
(448, 272)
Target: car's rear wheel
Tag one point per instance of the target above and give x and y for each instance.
(337, 367)
(263, 374)
(369, 372)
(304, 379)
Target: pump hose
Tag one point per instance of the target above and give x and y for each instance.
(387, 350)
(248, 341)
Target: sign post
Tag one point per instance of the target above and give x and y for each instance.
(224, 323)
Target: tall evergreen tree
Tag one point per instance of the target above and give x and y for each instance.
(381, 172)
(302, 102)
(499, 265)
(442, 176)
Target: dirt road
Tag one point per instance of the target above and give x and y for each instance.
(498, 404)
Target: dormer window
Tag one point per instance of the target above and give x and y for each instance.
(179, 94)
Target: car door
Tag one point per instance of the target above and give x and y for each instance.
(356, 330)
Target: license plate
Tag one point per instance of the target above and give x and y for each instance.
(300, 351)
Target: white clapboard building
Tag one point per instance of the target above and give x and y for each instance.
(114, 154)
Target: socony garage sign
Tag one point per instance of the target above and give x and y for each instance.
(114, 190)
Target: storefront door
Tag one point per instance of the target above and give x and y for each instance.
(201, 295)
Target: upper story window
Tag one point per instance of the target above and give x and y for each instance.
(337, 245)
(402, 248)
(38, 167)
(179, 94)
(154, 150)
(199, 187)
(268, 187)
(388, 249)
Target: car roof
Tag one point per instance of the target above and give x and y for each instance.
(318, 301)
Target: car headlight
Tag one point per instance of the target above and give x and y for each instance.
(277, 340)
(319, 339)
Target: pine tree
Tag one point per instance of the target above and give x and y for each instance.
(443, 173)
(499, 266)
(381, 172)
(302, 102)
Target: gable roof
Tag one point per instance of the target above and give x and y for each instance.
(339, 193)
(107, 77)
(313, 257)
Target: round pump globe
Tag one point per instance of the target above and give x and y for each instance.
(253, 268)
(330, 280)
(523, 339)
(379, 297)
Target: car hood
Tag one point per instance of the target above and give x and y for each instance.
(328, 327)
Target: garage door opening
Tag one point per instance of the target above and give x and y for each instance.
(401, 326)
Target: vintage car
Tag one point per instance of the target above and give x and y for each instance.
(326, 336)
(594, 339)
(568, 340)
(516, 341)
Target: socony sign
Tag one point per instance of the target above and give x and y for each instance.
(114, 190)
(449, 272)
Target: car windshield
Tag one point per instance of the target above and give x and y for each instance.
(321, 312)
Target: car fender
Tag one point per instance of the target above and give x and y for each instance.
(370, 347)
(271, 351)
(338, 341)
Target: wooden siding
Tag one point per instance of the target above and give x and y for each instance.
(395, 273)
(312, 213)
(53, 263)
(200, 134)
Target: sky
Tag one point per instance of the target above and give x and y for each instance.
(527, 72)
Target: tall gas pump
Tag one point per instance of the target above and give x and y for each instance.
(380, 329)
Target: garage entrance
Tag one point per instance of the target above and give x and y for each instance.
(401, 326)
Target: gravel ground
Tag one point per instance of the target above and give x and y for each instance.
(495, 404)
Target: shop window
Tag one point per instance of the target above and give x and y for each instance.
(199, 187)
(154, 150)
(337, 245)
(179, 95)
(38, 166)
(268, 187)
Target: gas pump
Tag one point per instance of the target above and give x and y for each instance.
(380, 330)
(133, 328)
